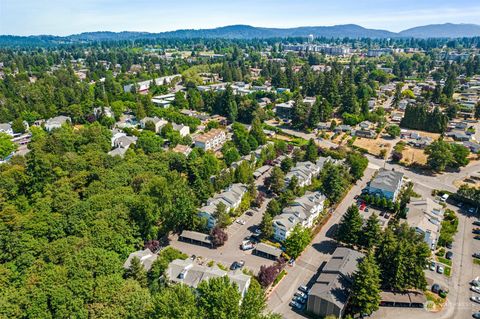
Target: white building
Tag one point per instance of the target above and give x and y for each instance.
(157, 122)
(56, 122)
(304, 172)
(6, 128)
(303, 212)
(230, 197)
(184, 130)
(212, 140)
(189, 273)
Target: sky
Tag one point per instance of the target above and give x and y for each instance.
(64, 17)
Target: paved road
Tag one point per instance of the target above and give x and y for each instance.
(308, 264)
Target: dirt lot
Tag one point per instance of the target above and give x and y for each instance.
(414, 155)
(373, 146)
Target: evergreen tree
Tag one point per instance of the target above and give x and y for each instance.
(350, 227)
(365, 295)
(311, 152)
(371, 232)
(137, 272)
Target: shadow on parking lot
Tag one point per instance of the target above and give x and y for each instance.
(325, 247)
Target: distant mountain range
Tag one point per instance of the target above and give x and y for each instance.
(447, 30)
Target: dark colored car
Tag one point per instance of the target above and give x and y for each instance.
(476, 231)
(435, 288)
(449, 255)
(477, 222)
(449, 245)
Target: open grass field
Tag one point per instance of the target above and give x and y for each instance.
(414, 155)
(373, 146)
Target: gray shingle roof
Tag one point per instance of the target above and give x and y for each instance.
(387, 180)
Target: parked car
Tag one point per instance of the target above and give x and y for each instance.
(249, 213)
(433, 265)
(304, 289)
(300, 300)
(257, 231)
(477, 222)
(477, 237)
(366, 210)
(449, 255)
(295, 305)
(475, 299)
(476, 255)
(475, 289)
(240, 221)
(476, 315)
(476, 231)
(435, 288)
(475, 282)
(237, 265)
(471, 210)
(440, 269)
(387, 215)
(449, 245)
(247, 245)
(300, 294)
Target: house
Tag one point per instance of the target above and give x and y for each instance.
(458, 136)
(365, 125)
(98, 112)
(146, 257)
(157, 122)
(182, 149)
(323, 126)
(304, 172)
(422, 142)
(190, 273)
(184, 130)
(342, 128)
(396, 117)
(6, 128)
(365, 133)
(121, 143)
(425, 217)
(211, 140)
(284, 110)
(330, 293)
(472, 146)
(386, 184)
(231, 197)
(143, 86)
(56, 122)
(163, 100)
(302, 211)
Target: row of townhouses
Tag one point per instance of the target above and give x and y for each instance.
(231, 197)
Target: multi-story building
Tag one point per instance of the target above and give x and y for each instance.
(303, 212)
(386, 184)
(211, 140)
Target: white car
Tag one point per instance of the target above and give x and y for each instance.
(476, 282)
(475, 299)
(241, 221)
(440, 269)
(475, 289)
(300, 294)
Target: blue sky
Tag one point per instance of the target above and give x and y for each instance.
(63, 17)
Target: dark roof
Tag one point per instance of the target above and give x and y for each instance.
(193, 235)
(269, 250)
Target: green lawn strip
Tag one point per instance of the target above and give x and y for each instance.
(445, 261)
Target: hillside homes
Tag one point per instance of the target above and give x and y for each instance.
(158, 123)
(6, 128)
(56, 122)
(305, 171)
(303, 211)
(231, 197)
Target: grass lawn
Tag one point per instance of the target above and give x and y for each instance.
(279, 277)
(448, 271)
(444, 261)
(434, 302)
(476, 261)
